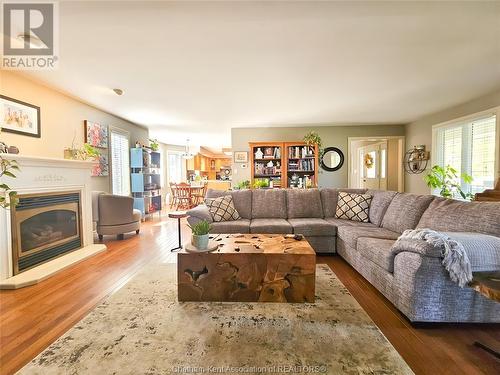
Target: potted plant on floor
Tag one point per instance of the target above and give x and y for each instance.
(448, 181)
(200, 234)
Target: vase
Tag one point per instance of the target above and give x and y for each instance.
(200, 242)
(259, 154)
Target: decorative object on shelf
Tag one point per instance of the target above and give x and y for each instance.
(13, 150)
(85, 152)
(416, 160)
(154, 145)
(448, 181)
(268, 153)
(7, 169)
(96, 134)
(332, 159)
(200, 234)
(259, 154)
(4, 149)
(138, 144)
(20, 117)
(242, 157)
(101, 168)
(368, 160)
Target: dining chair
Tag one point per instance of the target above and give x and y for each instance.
(173, 189)
(199, 196)
(184, 197)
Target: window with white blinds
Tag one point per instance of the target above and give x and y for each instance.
(469, 147)
(174, 167)
(120, 163)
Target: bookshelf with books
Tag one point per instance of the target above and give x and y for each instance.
(267, 164)
(301, 163)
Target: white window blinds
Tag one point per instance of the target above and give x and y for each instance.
(120, 163)
(469, 148)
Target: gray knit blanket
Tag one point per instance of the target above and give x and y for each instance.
(461, 253)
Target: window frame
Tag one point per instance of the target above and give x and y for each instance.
(167, 165)
(126, 134)
(461, 121)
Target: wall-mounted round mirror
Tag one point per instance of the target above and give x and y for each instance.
(332, 159)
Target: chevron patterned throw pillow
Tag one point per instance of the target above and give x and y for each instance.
(222, 208)
(353, 207)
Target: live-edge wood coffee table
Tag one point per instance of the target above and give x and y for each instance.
(249, 268)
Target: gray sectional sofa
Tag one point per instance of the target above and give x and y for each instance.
(414, 280)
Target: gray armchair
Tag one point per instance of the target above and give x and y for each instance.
(114, 214)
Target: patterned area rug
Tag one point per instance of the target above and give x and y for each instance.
(142, 329)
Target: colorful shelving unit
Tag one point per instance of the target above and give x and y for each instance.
(146, 180)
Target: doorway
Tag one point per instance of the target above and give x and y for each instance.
(376, 163)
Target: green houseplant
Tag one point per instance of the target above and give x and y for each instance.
(242, 185)
(200, 234)
(260, 183)
(447, 180)
(312, 138)
(7, 168)
(153, 143)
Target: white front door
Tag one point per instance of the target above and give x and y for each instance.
(373, 166)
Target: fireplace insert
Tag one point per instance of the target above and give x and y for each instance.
(44, 226)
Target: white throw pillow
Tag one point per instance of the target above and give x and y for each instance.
(222, 208)
(355, 207)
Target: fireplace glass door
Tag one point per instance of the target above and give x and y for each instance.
(44, 227)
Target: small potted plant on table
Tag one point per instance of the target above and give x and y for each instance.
(200, 234)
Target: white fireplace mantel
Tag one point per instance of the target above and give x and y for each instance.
(39, 175)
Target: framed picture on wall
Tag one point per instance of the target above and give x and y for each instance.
(101, 168)
(19, 117)
(96, 134)
(241, 157)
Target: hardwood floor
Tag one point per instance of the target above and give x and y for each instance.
(31, 318)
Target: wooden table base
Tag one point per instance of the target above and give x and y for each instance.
(249, 268)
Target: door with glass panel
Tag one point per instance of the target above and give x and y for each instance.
(373, 166)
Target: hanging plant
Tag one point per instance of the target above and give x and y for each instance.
(368, 159)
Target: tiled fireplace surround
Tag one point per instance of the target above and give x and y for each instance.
(38, 176)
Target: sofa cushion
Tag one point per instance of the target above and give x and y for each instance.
(351, 223)
(405, 211)
(242, 200)
(329, 198)
(236, 226)
(313, 227)
(354, 207)
(378, 251)
(457, 216)
(222, 208)
(280, 226)
(269, 203)
(304, 203)
(349, 235)
(380, 202)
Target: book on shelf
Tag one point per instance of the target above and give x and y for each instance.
(300, 152)
(301, 165)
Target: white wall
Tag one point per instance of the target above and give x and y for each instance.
(62, 119)
(420, 132)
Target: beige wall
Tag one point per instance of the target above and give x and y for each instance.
(420, 132)
(331, 135)
(62, 119)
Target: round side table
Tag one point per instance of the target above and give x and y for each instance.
(178, 215)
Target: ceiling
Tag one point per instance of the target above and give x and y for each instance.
(197, 69)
